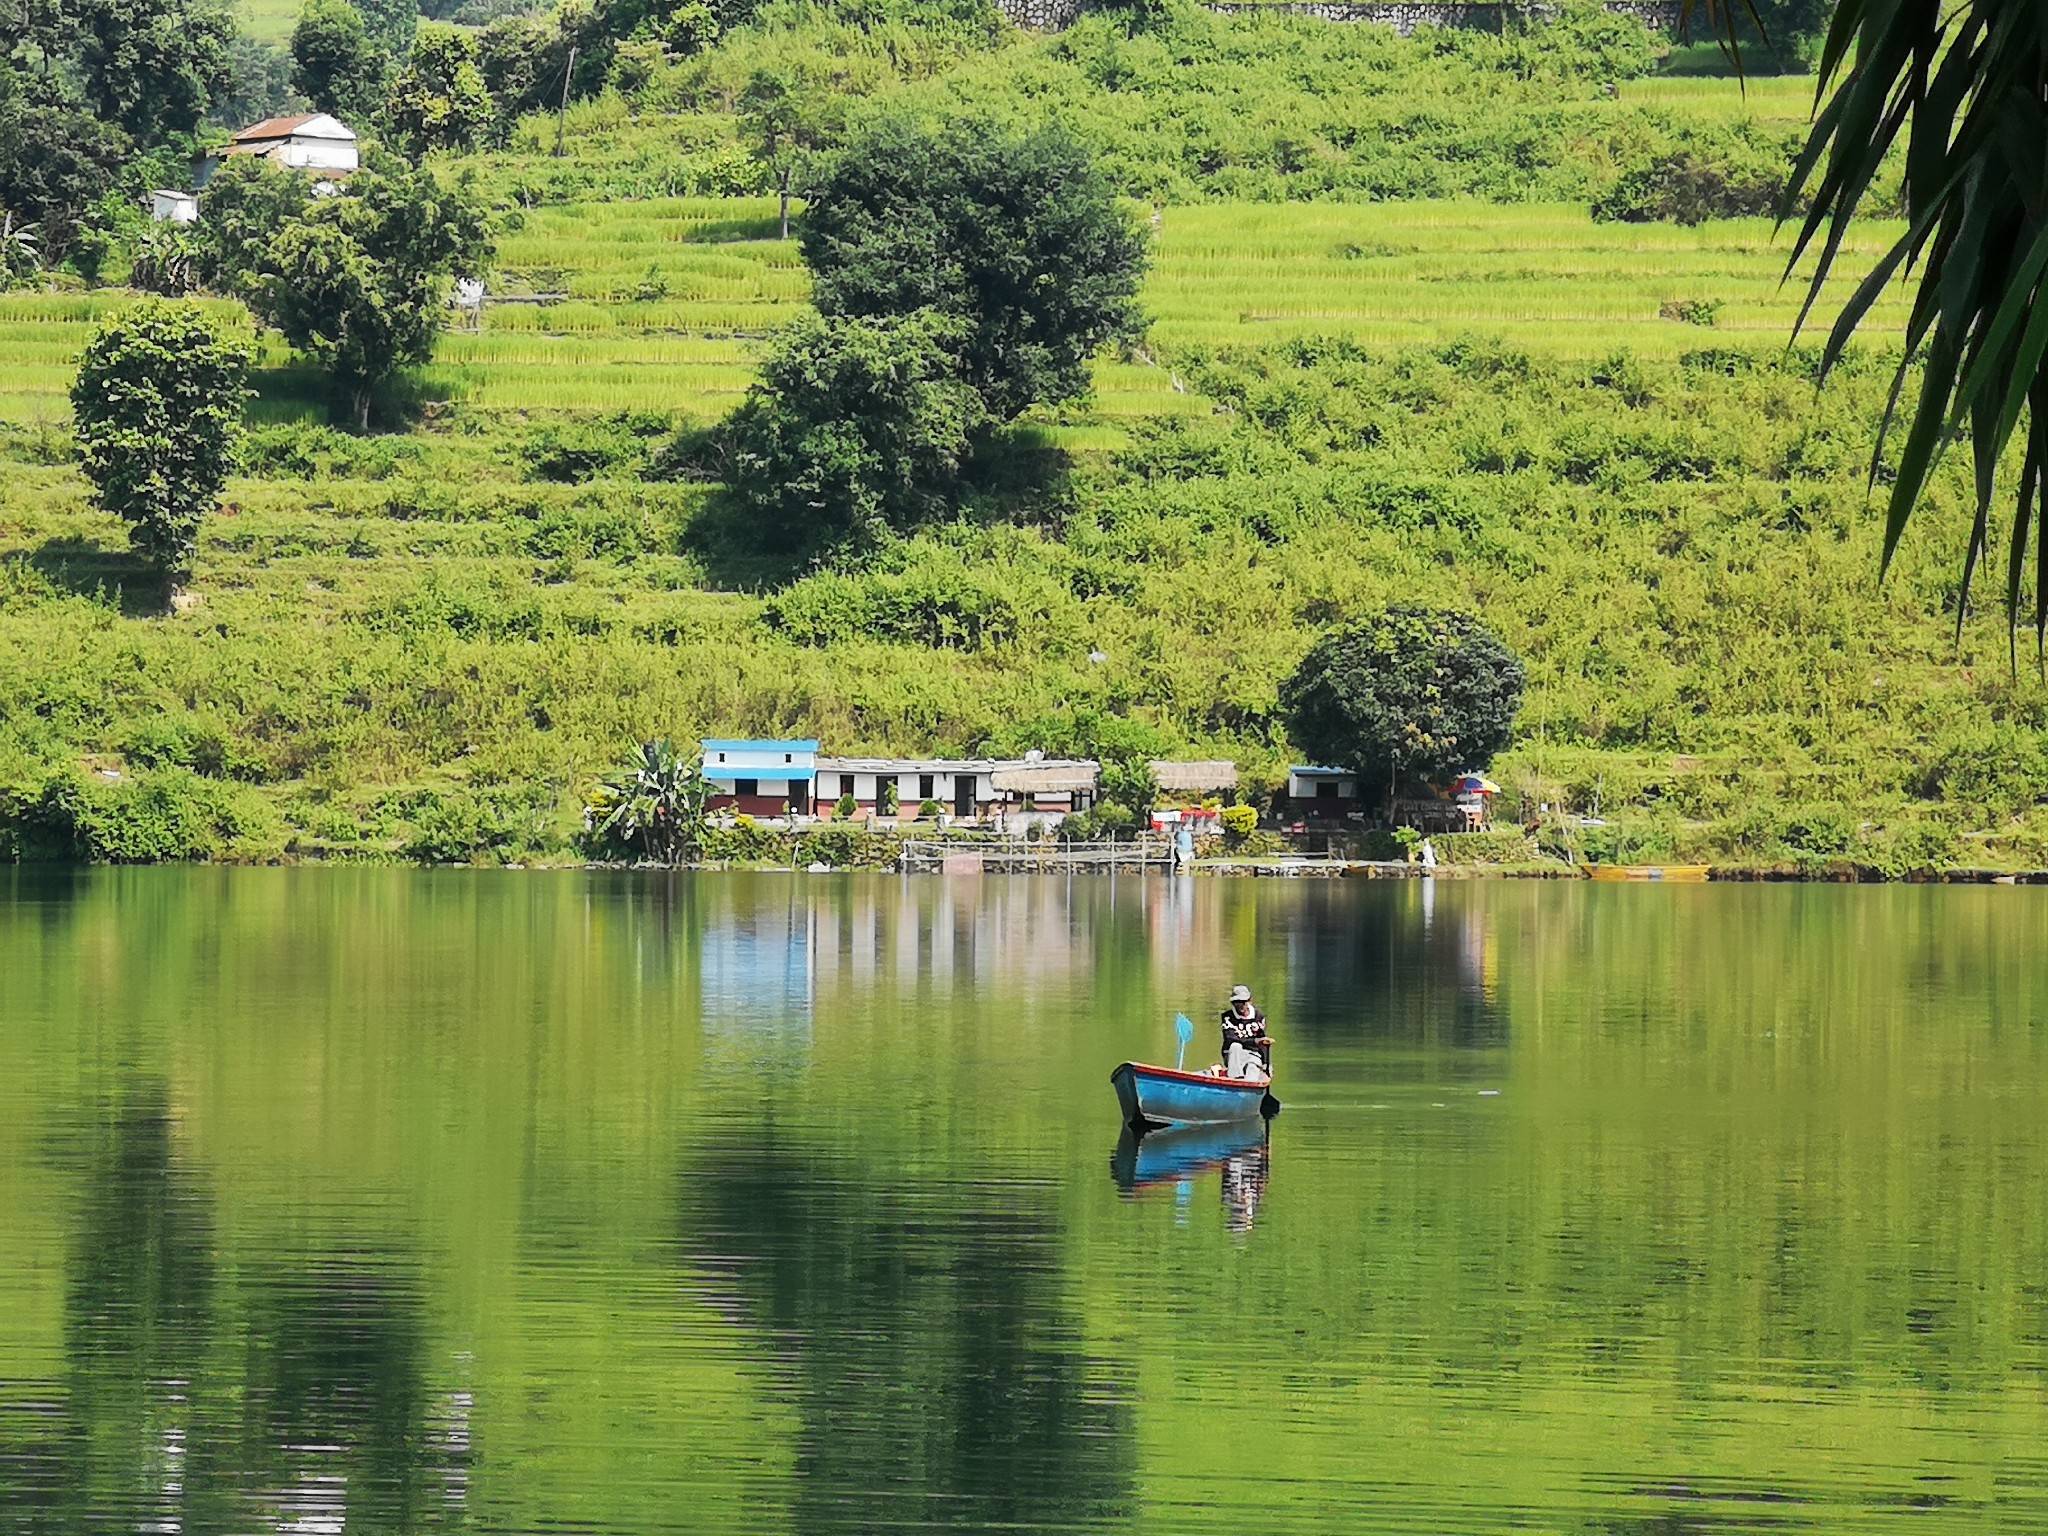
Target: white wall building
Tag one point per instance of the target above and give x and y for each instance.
(312, 141)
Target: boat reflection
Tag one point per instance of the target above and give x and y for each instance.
(1174, 1158)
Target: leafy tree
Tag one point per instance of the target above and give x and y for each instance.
(336, 65)
(164, 262)
(652, 808)
(391, 24)
(56, 166)
(856, 427)
(150, 67)
(1019, 236)
(358, 281)
(158, 404)
(438, 100)
(259, 84)
(1411, 695)
(787, 119)
(244, 209)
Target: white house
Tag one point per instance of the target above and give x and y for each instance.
(312, 141)
(761, 778)
(168, 207)
(962, 786)
(1323, 791)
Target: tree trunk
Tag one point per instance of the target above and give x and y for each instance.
(785, 205)
(360, 404)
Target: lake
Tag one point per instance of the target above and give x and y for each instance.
(374, 1200)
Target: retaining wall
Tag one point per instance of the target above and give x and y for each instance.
(1404, 16)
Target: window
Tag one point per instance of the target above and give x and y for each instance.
(1326, 789)
(924, 786)
(746, 786)
(721, 757)
(828, 786)
(787, 758)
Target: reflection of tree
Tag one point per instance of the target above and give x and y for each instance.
(195, 1398)
(934, 1362)
(1400, 961)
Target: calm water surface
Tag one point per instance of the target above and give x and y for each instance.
(374, 1201)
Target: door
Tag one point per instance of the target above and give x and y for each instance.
(963, 794)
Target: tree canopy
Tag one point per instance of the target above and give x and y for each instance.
(1018, 235)
(158, 410)
(438, 101)
(857, 427)
(1405, 697)
(336, 64)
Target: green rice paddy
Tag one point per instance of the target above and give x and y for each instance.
(661, 305)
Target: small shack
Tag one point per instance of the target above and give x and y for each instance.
(761, 778)
(1313, 791)
(170, 207)
(311, 141)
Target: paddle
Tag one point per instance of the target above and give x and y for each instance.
(1185, 1028)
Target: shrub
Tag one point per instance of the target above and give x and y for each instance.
(1689, 187)
(651, 808)
(1240, 820)
(847, 807)
(857, 427)
(159, 816)
(460, 829)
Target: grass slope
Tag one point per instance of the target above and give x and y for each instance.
(429, 642)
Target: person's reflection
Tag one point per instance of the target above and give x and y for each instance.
(1244, 1186)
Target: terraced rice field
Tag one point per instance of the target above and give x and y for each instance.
(661, 305)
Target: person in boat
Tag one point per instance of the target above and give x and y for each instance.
(1245, 1027)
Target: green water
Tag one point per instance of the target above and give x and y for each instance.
(370, 1201)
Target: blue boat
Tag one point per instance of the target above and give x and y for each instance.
(1155, 1097)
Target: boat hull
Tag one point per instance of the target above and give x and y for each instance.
(1168, 1156)
(1154, 1097)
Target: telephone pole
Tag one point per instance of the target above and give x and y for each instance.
(562, 112)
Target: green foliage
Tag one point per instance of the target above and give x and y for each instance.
(464, 828)
(651, 809)
(787, 118)
(159, 816)
(149, 68)
(158, 404)
(1017, 236)
(847, 807)
(858, 427)
(259, 84)
(1690, 185)
(56, 166)
(846, 848)
(1406, 697)
(358, 281)
(1507, 846)
(336, 65)
(244, 210)
(1127, 784)
(438, 100)
(1240, 821)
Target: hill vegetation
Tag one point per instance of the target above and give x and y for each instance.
(1474, 397)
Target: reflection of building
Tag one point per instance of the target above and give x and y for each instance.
(761, 778)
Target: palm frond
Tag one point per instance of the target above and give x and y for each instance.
(1962, 90)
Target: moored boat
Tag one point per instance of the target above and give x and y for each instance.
(1153, 1097)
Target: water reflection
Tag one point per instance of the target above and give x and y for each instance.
(1172, 1159)
(923, 1336)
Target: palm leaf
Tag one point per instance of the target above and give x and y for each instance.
(1964, 85)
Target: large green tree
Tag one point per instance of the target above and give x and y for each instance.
(438, 100)
(55, 166)
(1020, 236)
(336, 64)
(358, 281)
(158, 407)
(788, 118)
(1405, 697)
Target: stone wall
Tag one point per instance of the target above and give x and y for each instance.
(1404, 16)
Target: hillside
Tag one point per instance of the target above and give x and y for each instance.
(1474, 393)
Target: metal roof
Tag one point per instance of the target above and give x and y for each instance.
(718, 745)
(1334, 773)
(910, 764)
(286, 127)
